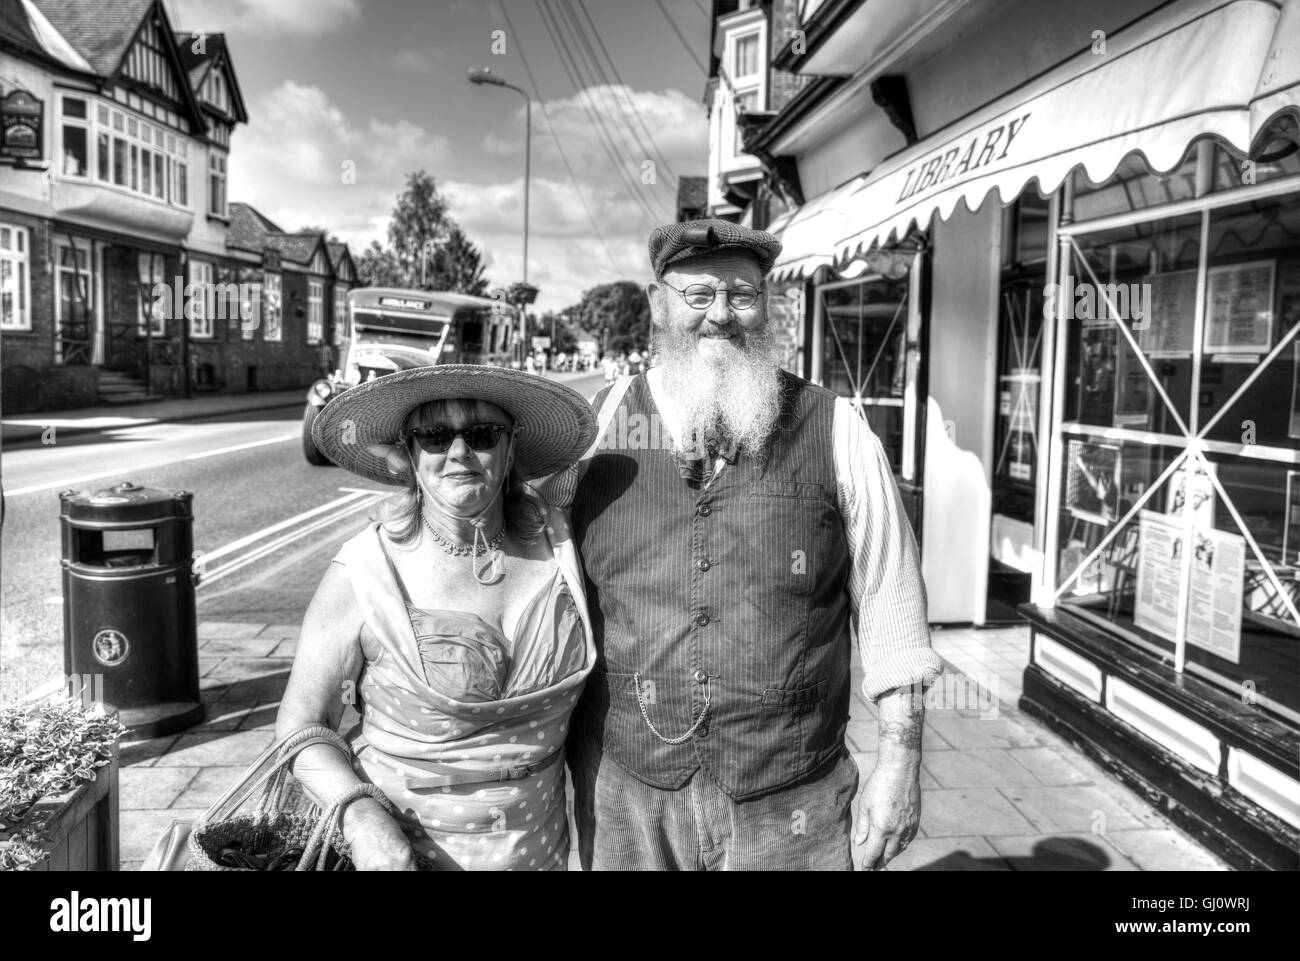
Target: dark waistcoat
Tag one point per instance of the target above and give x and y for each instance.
(730, 592)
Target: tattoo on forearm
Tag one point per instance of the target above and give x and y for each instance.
(906, 733)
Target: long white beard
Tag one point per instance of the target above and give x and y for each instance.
(733, 398)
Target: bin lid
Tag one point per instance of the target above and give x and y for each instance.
(124, 502)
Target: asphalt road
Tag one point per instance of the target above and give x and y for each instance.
(266, 521)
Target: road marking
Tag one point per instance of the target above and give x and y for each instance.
(231, 450)
(75, 481)
(339, 513)
(209, 556)
(68, 484)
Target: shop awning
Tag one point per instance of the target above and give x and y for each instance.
(808, 234)
(1186, 71)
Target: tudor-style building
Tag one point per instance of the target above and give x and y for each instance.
(115, 156)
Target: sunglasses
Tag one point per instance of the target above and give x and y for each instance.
(438, 440)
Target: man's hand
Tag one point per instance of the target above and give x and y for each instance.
(889, 812)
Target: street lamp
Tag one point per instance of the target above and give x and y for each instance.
(482, 75)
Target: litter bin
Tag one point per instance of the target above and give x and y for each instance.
(128, 604)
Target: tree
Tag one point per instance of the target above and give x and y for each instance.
(377, 267)
(621, 308)
(458, 265)
(419, 217)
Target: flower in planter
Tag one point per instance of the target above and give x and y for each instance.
(46, 749)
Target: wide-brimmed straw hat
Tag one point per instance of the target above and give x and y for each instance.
(555, 425)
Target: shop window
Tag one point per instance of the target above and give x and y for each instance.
(201, 309)
(15, 282)
(151, 314)
(74, 302)
(1277, 156)
(272, 309)
(1178, 506)
(864, 326)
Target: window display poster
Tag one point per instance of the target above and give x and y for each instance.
(1132, 390)
(1092, 481)
(1155, 599)
(1291, 532)
(1239, 308)
(1171, 314)
(1214, 600)
(1201, 494)
(1214, 607)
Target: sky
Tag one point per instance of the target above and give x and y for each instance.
(378, 88)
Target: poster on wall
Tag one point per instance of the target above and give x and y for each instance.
(1215, 590)
(1092, 481)
(1239, 308)
(1171, 314)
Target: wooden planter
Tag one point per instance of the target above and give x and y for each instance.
(82, 825)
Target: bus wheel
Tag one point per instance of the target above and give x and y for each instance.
(309, 450)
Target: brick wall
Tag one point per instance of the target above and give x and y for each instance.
(784, 316)
(783, 85)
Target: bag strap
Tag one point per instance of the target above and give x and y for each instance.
(608, 408)
(331, 821)
(287, 747)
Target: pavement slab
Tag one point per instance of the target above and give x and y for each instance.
(139, 830)
(962, 812)
(238, 646)
(1051, 767)
(964, 733)
(1076, 808)
(1164, 849)
(235, 749)
(142, 788)
(984, 767)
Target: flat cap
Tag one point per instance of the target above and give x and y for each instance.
(673, 242)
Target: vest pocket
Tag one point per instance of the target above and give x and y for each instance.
(785, 528)
(794, 698)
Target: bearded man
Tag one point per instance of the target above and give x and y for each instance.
(723, 573)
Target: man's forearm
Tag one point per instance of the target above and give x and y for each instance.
(901, 716)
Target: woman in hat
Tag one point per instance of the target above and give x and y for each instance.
(458, 625)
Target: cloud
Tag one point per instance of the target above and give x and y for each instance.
(277, 18)
(294, 157)
(288, 162)
(418, 61)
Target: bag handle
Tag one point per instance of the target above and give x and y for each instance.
(288, 747)
(331, 822)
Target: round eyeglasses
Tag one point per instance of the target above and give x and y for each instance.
(701, 296)
(438, 440)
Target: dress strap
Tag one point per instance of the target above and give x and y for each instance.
(383, 548)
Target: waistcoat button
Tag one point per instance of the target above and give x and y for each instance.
(702, 620)
(700, 677)
(705, 510)
(702, 564)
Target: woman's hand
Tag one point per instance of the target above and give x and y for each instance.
(377, 841)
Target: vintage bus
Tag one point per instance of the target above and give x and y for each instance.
(389, 329)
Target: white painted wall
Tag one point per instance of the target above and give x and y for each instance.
(962, 360)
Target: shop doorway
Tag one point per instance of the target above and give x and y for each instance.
(1014, 476)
